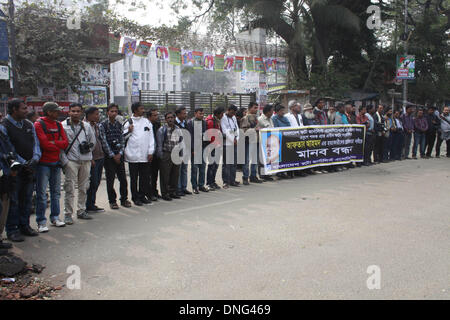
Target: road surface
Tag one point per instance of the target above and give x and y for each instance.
(306, 238)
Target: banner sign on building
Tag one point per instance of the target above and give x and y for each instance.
(93, 96)
(187, 59)
(198, 60)
(143, 49)
(175, 56)
(4, 47)
(129, 46)
(114, 43)
(238, 64)
(287, 149)
(405, 67)
(259, 65)
(4, 73)
(208, 62)
(229, 63)
(249, 64)
(95, 74)
(219, 63)
(162, 53)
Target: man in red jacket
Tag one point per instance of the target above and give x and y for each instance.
(52, 140)
(213, 122)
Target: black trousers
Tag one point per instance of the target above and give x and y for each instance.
(139, 180)
(111, 170)
(431, 139)
(379, 147)
(169, 173)
(154, 176)
(368, 149)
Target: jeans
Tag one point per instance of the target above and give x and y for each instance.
(419, 139)
(96, 178)
(139, 180)
(408, 138)
(182, 180)
(229, 165)
(250, 156)
(111, 170)
(397, 145)
(198, 175)
(439, 143)
(20, 204)
(48, 174)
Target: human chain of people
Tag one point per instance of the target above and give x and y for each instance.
(36, 151)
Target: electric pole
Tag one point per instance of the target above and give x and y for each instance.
(405, 82)
(12, 47)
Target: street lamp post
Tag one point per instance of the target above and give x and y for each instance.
(12, 47)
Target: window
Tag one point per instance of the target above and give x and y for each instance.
(142, 64)
(142, 77)
(164, 87)
(125, 75)
(148, 86)
(174, 87)
(148, 77)
(159, 67)
(147, 64)
(159, 86)
(125, 66)
(125, 87)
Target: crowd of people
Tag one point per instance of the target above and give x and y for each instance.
(35, 151)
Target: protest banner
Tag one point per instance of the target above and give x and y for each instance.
(287, 149)
(219, 63)
(143, 49)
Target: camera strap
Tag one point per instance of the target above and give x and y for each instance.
(76, 137)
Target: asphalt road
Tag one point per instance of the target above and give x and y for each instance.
(306, 238)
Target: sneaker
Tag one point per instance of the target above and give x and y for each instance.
(187, 192)
(216, 186)
(84, 216)
(42, 228)
(203, 189)
(212, 188)
(226, 186)
(16, 237)
(195, 190)
(245, 182)
(68, 220)
(255, 180)
(58, 223)
(146, 201)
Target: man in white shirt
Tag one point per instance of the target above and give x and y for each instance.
(230, 131)
(139, 150)
(295, 116)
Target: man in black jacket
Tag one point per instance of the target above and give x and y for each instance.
(433, 125)
(378, 117)
(197, 128)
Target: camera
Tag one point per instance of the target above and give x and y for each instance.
(12, 161)
(85, 147)
(116, 145)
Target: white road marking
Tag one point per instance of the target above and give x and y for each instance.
(205, 206)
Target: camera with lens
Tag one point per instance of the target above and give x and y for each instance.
(116, 145)
(85, 147)
(12, 161)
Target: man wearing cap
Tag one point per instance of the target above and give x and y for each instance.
(53, 141)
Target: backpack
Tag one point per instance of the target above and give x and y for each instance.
(44, 128)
